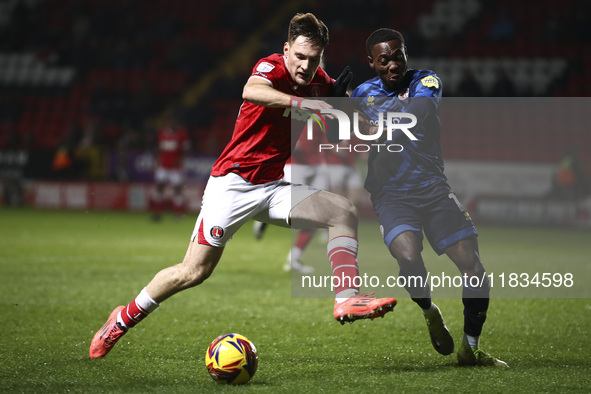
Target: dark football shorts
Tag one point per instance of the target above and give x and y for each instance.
(437, 212)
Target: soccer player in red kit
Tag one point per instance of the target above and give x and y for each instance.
(173, 143)
(246, 183)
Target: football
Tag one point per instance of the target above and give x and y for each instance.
(231, 359)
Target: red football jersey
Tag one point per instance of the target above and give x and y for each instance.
(262, 139)
(172, 143)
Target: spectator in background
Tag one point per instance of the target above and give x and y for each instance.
(173, 143)
(89, 151)
(570, 181)
(64, 164)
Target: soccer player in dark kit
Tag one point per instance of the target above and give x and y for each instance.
(410, 193)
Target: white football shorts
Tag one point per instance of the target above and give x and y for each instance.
(172, 176)
(304, 174)
(229, 201)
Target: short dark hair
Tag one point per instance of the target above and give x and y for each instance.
(309, 26)
(382, 35)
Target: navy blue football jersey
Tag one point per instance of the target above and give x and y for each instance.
(419, 164)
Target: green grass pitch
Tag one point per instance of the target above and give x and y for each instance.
(62, 273)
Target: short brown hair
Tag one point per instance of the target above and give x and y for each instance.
(309, 26)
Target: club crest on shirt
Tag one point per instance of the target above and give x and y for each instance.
(430, 82)
(265, 67)
(216, 232)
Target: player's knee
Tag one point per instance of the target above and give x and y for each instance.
(352, 212)
(470, 265)
(347, 209)
(408, 257)
(336, 210)
(406, 248)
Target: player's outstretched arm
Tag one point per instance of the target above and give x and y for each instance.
(261, 92)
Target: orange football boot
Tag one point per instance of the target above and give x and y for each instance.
(105, 338)
(363, 306)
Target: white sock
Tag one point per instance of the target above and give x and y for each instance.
(295, 254)
(144, 302)
(474, 342)
(431, 310)
(345, 295)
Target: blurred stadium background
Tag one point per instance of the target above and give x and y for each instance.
(98, 78)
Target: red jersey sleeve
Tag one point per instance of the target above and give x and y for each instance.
(268, 70)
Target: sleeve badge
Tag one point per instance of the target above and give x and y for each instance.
(430, 82)
(265, 67)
